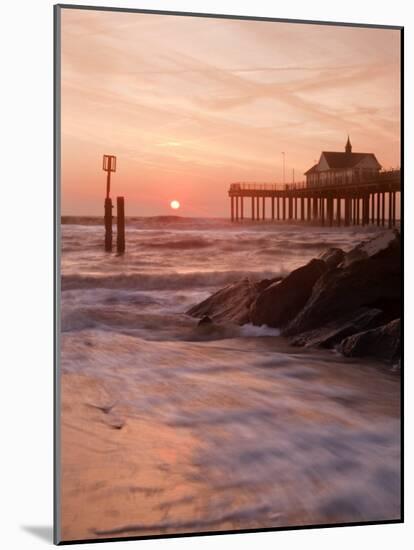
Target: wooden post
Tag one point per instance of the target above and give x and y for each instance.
(263, 208)
(383, 209)
(273, 208)
(241, 208)
(315, 208)
(394, 208)
(237, 208)
(232, 208)
(253, 209)
(322, 210)
(378, 208)
(120, 225)
(278, 207)
(373, 208)
(284, 208)
(108, 225)
(389, 209)
(257, 208)
(338, 211)
(330, 210)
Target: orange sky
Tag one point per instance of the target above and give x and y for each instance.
(191, 104)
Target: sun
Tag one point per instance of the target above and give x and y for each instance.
(175, 205)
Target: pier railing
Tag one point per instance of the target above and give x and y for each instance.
(382, 177)
(257, 186)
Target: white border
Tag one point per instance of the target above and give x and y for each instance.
(27, 280)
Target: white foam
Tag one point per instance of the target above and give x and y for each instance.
(264, 330)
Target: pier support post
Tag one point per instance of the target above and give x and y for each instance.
(253, 209)
(278, 207)
(273, 208)
(237, 208)
(322, 199)
(338, 211)
(329, 207)
(302, 209)
(241, 208)
(390, 209)
(120, 225)
(257, 208)
(372, 197)
(378, 208)
(263, 208)
(290, 201)
(347, 211)
(108, 224)
(315, 208)
(394, 208)
(284, 208)
(382, 208)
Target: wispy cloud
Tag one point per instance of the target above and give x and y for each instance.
(192, 103)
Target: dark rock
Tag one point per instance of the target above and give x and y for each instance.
(332, 257)
(264, 283)
(331, 334)
(385, 244)
(281, 301)
(231, 303)
(205, 320)
(382, 342)
(372, 281)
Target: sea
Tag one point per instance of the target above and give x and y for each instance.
(284, 436)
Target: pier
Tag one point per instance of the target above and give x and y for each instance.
(356, 202)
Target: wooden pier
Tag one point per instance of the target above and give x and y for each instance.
(358, 202)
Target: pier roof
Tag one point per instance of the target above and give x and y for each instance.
(338, 160)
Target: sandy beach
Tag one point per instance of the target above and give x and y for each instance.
(305, 438)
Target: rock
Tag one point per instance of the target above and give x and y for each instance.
(231, 303)
(331, 334)
(382, 342)
(205, 320)
(385, 243)
(279, 302)
(372, 281)
(332, 257)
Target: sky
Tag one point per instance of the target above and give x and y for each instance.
(190, 104)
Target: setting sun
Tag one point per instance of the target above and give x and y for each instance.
(175, 205)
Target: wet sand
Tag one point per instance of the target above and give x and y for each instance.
(304, 437)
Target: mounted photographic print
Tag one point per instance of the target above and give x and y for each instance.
(228, 225)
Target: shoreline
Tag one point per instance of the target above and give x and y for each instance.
(124, 474)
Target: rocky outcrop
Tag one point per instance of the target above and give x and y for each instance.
(280, 302)
(370, 279)
(331, 334)
(232, 303)
(351, 301)
(332, 257)
(383, 342)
